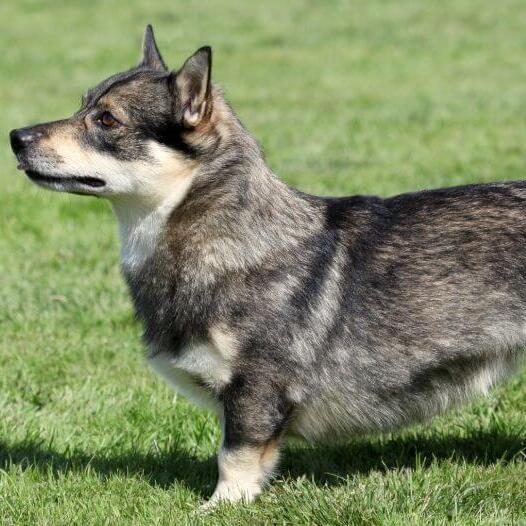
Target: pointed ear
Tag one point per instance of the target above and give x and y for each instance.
(151, 58)
(192, 83)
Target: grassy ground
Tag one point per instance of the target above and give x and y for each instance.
(369, 97)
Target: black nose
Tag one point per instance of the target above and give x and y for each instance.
(22, 137)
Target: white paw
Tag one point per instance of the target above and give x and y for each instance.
(232, 493)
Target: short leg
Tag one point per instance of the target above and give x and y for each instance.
(254, 420)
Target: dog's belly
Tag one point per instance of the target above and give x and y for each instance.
(184, 381)
(343, 410)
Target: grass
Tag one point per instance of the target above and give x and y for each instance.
(376, 96)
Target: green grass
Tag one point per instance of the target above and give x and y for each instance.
(363, 97)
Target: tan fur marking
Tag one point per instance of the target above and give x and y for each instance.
(270, 456)
(219, 124)
(224, 340)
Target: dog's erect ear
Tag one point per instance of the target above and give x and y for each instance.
(151, 58)
(192, 85)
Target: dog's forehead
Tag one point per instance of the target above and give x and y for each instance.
(123, 85)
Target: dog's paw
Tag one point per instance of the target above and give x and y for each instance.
(231, 493)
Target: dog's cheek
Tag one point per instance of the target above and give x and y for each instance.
(123, 144)
(101, 142)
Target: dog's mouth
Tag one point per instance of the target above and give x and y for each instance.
(93, 182)
(69, 183)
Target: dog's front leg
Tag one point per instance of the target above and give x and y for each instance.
(253, 424)
(243, 471)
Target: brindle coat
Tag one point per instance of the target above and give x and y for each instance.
(285, 312)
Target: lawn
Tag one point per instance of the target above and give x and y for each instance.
(365, 97)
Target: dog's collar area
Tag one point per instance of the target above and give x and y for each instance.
(94, 182)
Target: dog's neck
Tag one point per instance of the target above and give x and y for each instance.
(223, 237)
(227, 213)
(141, 223)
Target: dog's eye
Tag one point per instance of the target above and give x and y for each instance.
(107, 119)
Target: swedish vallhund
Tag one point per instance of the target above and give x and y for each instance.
(286, 313)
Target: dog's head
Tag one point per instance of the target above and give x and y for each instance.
(136, 133)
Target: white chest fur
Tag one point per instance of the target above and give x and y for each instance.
(140, 226)
(145, 194)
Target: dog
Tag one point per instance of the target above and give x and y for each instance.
(282, 312)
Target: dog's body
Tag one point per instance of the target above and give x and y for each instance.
(282, 312)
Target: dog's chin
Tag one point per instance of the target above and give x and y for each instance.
(68, 183)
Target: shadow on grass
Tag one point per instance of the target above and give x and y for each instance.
(328, 465)
(162, 469)
(324, 464)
